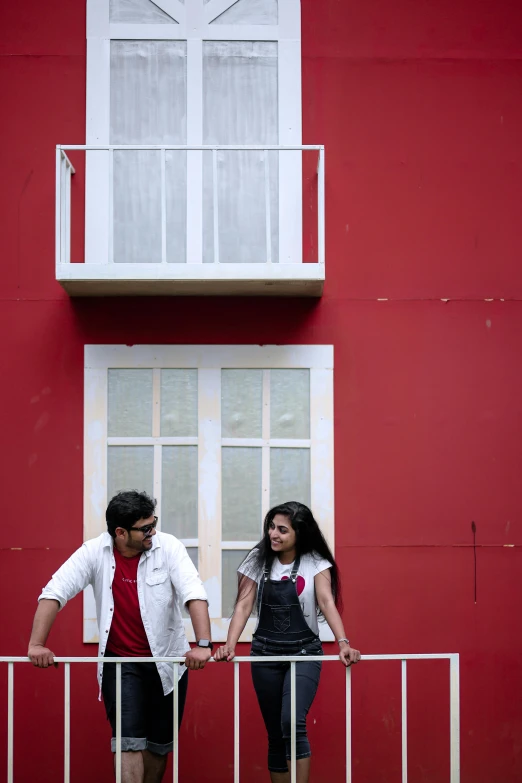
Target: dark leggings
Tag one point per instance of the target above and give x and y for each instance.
(272, 686)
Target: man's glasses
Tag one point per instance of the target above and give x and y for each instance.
(146, 529)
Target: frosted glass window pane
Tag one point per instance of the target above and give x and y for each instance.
(241, 494)
(240, 107)
(148, 106)
(137, 207)
(137, 12)
(130, 467)
(290, 403)
(179, 481)
(241, 403)
(193, 553)
(250, 12)
(130, 403)
(176, 193)
(289, 476)
(179, 403)
(230, 560)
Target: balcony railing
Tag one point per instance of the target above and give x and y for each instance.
(454, 722)
(193, 219)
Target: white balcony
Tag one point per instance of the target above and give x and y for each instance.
(178, 220)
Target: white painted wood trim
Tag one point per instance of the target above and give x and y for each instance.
(209, 485)
(144, 441)
(215, 8)
(194, 136)
(278, 443)
(265, 442)
(172, 8)
(209, 356)
(290, 132)
(97, 163)
(97, 19)
(322, 450)
(95, 477)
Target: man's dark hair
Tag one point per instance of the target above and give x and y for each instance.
(128, 507)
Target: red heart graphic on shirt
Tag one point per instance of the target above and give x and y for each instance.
(300, 583)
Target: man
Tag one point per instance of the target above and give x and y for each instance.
(139, 577)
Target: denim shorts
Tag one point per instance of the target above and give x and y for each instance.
(147, 715)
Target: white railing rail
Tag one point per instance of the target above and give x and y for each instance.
(175, 662)
(64, 169)
(64, 172)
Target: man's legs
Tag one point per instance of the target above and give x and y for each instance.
(159, 715)
(131, 766)
(154, 767)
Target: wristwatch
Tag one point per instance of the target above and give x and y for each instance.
(344, 640)
(205, 643)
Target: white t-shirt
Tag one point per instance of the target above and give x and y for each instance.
(310, 565)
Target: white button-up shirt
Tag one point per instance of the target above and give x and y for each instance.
(167, 579)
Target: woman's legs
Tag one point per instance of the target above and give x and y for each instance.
(303, 773)
(268, 679)
(307, 676)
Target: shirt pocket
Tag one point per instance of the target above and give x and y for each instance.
(159, 587)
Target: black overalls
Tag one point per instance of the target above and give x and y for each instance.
(283, 630)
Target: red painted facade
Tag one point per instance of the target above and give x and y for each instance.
(419, 106)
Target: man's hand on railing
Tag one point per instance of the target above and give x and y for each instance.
(41, 656)
(197, 657)
(225, 653)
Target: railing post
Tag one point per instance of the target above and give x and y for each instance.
(58, 209)
(268, 219)
(404, 723)
(67, 723)
(454, 719)
(10, 719)
(111, 205)
(215, 207)
(348, 724)
(63, 208)
(163, 206)
(321, 209)
(236, 722)
(175, 738)
(118, 723)
(68, 178)
(293, 742)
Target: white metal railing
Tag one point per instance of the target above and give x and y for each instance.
(175, 662)
(64, 172)
(64, 169)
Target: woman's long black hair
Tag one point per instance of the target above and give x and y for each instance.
(309, 540)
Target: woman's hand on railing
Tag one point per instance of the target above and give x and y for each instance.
(348, 655)
(224, 653)
(41, 656)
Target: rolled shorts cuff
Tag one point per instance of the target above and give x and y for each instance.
(306, 755)
(271, 768)
(160, 750)
(130, 743)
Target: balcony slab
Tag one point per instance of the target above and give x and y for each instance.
(191, 279)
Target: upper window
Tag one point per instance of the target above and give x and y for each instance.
(218, 434)
(198, 72)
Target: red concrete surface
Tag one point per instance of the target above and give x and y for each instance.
(419, 106)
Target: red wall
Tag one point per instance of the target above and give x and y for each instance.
(419, 106)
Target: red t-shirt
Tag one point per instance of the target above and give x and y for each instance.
(127, 636)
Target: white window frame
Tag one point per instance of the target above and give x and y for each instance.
(194, 26)
(209, 360)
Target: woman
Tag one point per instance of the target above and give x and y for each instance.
(296, 581)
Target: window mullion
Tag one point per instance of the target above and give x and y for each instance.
(209, 485)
